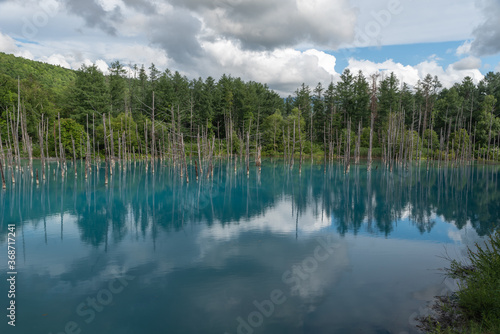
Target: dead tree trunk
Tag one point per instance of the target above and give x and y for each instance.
(258, 163)
(153, 137)
(300, 148)
(371, 143)
(105, 149)
(87, 157)
(1, 171)
(42, 155)
(293, 146)
(347, 150)
(184, 158)
(74, 154)
(358, 145)
(199, 155)
(248, 153)
(61, 148)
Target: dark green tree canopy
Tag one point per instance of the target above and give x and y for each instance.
(230, 106)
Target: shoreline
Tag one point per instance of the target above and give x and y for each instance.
(475, 307)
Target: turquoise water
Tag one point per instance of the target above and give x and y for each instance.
(274, 252)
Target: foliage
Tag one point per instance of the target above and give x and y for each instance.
(89, 96)
(389, 96)
(70, 129)
(459, 140)
(273, 128)
(51, 77)
(8, 90)
(412, 137)
(488, 124)
(476, 306)
(365, 138)
(231, 105)
(123, 124)
(430, 136)
(479, 294)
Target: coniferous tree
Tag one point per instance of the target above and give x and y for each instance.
(389, 100)
(117, 88)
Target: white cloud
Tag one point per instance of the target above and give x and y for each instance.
(469, 63)
(8, 45)
(283, 69)
(325, 61)
(435, 57)
(456, 74)
(450, 75)
(255, 40)
(56, 59)
(102, 66)
(412, 74)
(464, 49)
(267, 25)
(277, 221)
(75, 53)
(487, 35)
(406, 73)
(139, 54)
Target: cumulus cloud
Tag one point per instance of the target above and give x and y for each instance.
(56, 59)
(266, 25)
(464, 49)
(469, 63)
(406, 73)
(412, 74)
(487, 35)
(179, 26)
(141, 54)
(8, 45)
(282, 69)
(95, 15)
(273, 42)
(176, 31)
(143, 6)
(102, 66)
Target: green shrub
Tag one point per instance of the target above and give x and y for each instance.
(477, 305)
(479, 294)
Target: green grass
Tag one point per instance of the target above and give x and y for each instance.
(476, 308)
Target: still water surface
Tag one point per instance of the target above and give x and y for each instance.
(274, 252)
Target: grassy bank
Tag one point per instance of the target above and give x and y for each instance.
(475, 307)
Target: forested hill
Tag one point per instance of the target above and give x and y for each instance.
(227, 107)
(51, 77)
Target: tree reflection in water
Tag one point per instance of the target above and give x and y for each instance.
(137, 203)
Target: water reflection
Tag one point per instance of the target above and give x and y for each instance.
(201, 253)
(139, 203)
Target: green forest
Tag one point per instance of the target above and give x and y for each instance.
(67, 113)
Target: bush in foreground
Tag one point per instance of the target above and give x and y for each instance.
(475, 307)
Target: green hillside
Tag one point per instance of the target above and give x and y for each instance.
(51, 77)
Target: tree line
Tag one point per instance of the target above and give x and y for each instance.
(64, 112)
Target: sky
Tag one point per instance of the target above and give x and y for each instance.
(282, 43)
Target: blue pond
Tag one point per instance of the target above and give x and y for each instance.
(272, 252)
